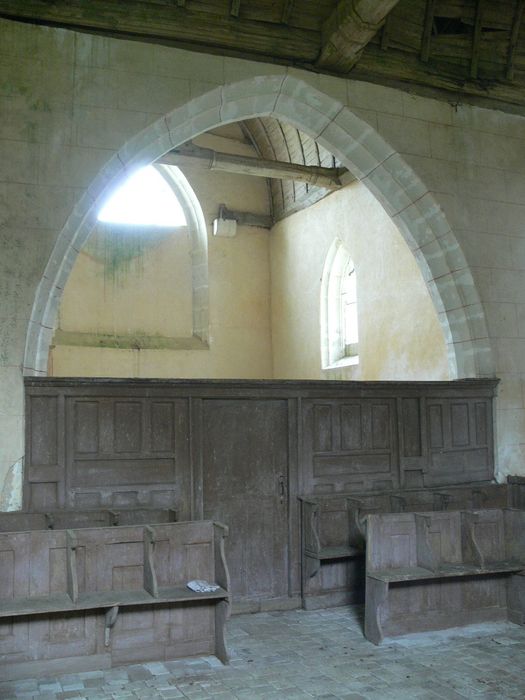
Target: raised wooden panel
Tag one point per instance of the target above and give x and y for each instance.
(435, 424)
(183, 553)
(411, 408)
(459, 419)
(86, 423)
(400, 551)
(128, 426)
(44, 496)
(488, 529)
(126, 451)
(64, 635)
(481, 423)
(351, 427)
(460, 445)
(323, 428)
(113, 559)
(334, 467)
(114, 472)
(363, 451)
(7, 568)
(162, 426)
(381, 423)
(44, 431)
(14, 639)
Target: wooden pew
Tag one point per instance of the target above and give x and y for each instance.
(444, 569)
(333, 532)
(110, 595)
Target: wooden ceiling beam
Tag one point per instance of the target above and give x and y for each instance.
(328, 178)
(399, 69)
(514, 35)
(349, 29)
(170, 23)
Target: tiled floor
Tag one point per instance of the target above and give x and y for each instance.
(316, 654)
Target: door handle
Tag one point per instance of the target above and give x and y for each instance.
(282, 488)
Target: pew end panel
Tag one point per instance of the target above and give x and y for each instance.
(331, 559)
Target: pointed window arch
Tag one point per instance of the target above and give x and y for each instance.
(339, 313)
(144, 199)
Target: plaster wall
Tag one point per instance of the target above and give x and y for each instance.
(399, 334)
(141, 287)
(239, 342)
(69, 102)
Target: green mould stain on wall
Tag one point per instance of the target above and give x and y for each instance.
(121, 248)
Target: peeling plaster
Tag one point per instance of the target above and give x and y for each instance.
(11, 495)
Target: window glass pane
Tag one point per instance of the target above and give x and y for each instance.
(349, 302)
(145, 198)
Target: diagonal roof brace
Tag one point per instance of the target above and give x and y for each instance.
(189, 154)
(348, 30)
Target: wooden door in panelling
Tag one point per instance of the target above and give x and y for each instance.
(245, 463)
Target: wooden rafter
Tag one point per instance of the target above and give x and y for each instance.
(349, 29)
(169, 23)
(401, 70)
(476, 39)
(287, 11)
(427, 31)
(514, 35)
(385, 34)
(328, 178)
(235, 8)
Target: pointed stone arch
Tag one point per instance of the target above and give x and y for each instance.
(359, 147)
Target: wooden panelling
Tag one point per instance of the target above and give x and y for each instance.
(242, 451)
(123, 451)
(350, 445)
(460, 441)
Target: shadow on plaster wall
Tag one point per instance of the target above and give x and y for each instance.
(359, 147)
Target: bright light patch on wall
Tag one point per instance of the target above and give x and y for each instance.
(145, 198)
